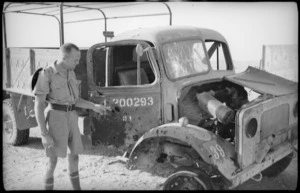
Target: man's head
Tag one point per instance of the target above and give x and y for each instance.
(70, 55)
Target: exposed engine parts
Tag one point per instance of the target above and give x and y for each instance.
(213, 106)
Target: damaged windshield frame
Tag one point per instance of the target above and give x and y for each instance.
(204, 56)
(220, 50)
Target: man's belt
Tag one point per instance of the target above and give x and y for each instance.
(65, 108)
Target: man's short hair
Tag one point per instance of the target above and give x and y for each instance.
(67, 48)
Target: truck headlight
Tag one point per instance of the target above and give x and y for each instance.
(251, 128)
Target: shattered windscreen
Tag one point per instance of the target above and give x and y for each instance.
(185, 58)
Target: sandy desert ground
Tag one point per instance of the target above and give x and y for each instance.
(24, 167)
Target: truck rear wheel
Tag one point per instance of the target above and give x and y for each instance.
(11, 134)
(275, 169)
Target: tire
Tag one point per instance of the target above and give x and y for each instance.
(277, 168)
(11, 134)
(188, 180)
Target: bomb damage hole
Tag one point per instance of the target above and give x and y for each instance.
(213, 106)
(162, 156)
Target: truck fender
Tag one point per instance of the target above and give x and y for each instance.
(210, 147)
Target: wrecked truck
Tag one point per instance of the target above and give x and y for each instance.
(179, 108)
(209, 134)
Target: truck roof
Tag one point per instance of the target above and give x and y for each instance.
(159, 35)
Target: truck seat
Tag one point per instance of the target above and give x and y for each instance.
(129, 77)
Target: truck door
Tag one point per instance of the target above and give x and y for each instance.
(130, 84)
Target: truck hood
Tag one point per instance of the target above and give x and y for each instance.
(264, 82)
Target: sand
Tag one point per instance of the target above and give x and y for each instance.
(24, 168)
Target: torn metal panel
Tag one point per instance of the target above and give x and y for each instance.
(182, 146)
(263, 126)
(125, 125)
(264, 82)
(190, 136)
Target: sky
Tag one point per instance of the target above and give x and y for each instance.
(247, 26)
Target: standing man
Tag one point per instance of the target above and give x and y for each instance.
(60, 133)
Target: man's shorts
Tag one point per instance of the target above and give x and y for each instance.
(63, 128)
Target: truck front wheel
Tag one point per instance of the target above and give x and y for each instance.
(188, 180)
(11, 134)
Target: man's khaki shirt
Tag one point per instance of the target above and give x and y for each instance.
(60, 86)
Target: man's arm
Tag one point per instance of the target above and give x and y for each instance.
(39, 108)
(90, 105)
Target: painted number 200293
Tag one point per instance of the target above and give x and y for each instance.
(133, 102)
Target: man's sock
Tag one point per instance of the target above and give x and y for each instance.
(49, 183)
(74, 177)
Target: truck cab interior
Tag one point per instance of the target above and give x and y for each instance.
(122, 66)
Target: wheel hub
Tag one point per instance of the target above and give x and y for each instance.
(184, 181)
